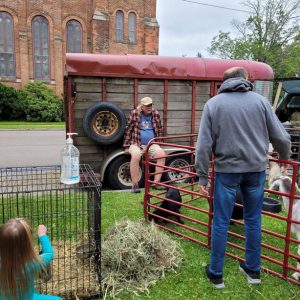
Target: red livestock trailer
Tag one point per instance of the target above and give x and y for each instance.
(100, 91)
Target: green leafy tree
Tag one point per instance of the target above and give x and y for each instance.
(40, 102)
(10, 106)
(291, 63)
(270, 34)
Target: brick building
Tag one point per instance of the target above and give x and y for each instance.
(36, 34)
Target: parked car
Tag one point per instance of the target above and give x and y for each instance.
(288, 111)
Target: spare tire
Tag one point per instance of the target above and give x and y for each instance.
(104, 123)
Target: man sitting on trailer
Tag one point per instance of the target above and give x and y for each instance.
(143, 124)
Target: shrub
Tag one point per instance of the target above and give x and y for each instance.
(40, 102)
(11, 108)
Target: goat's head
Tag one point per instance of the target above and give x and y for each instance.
(282, 184)
(286, 184)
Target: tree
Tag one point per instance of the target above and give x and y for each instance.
(270, 34)
(291, 64)
(10, 106)
(40, 103)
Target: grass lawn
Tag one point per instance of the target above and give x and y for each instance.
(189, 282)
(23, 125)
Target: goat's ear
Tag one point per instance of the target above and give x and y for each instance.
(274, 184)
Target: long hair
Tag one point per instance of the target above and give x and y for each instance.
(17, 255)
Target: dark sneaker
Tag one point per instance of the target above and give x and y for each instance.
(135, 189)
(253, 277)
(215, 280)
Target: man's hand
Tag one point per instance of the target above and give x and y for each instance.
(126, 151)
(203, 189)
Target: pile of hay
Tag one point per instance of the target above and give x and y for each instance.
(135, 255)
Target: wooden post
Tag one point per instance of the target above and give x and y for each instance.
(277, 95)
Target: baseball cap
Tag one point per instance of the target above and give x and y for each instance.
(145, 101)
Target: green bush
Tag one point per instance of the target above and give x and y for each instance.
(40, 102)
(11, 108)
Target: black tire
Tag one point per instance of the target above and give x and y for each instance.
(104, 123)
(118, 173)
(175, 162)
(271, 205)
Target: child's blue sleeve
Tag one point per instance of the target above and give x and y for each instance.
(47, 251)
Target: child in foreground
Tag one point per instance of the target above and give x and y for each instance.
(19, 263)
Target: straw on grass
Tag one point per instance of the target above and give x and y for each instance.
(135, 255)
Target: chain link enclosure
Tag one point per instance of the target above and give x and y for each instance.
(72, 215)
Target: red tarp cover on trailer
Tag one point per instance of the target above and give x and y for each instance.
(153, 66)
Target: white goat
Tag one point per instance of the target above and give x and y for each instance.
(284, 185)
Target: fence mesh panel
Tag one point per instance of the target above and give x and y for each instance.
(72, 214)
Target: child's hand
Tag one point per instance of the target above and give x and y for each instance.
(42, 230)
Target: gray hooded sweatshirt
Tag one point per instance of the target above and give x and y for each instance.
(237, 126)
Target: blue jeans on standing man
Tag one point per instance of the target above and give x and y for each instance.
(225, 191)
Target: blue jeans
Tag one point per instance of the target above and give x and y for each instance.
(225, 190)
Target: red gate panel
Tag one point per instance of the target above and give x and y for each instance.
(279, 245)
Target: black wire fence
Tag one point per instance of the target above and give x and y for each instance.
(72, 215)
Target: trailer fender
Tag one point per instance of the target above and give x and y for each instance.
(108, 160)
(117, 170)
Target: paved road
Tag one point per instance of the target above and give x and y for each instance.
(30, 148)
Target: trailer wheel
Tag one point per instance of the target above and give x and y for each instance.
(177, 162)
(118, 173)
(104, 123)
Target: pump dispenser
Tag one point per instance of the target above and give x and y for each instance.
(70, 162)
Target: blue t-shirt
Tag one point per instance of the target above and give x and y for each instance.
(147, 132)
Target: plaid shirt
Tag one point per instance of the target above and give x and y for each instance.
(133, 128)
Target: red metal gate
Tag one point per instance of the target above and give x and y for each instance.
(279, 245)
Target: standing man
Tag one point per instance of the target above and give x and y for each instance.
(236, 126)
(143, 125)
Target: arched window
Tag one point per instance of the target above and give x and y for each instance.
(7, 57)
(74, 37)
(119, 26)
(41, 48)
(132, 27)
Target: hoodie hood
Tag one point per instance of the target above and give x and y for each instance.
(236, 84)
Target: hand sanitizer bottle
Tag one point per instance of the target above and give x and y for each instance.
(70, 162)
